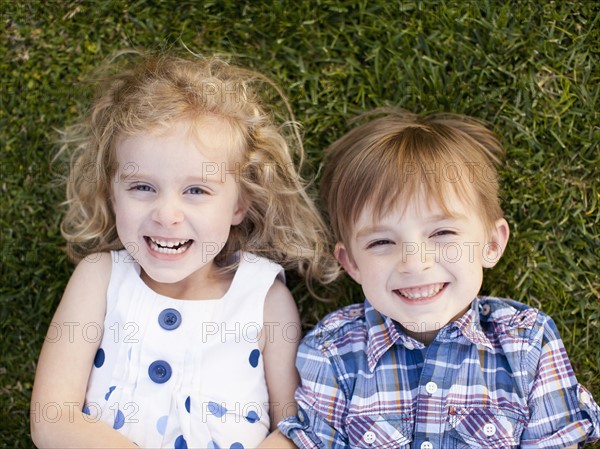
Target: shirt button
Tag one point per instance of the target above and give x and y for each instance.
(159, 371)
(426, 445)
(489, 429)
(301, 416)
(431, 387)
(485, 309)
(584, 397)
(169, 319)
(355, 312)
(369, 437)
(408, 345)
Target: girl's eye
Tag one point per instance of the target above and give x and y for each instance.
(196, 191)
(141, 188)
(381, 242)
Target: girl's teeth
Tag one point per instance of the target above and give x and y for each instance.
(170, 244)
(422, 292)
(171, 247)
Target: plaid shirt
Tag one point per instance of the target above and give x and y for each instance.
(498, 377)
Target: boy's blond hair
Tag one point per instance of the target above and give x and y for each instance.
(142, 93)
(387, 161)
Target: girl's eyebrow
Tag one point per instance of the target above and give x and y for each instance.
(134, 175)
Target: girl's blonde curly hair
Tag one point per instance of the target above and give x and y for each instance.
(141, 93)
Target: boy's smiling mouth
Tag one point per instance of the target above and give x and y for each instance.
(421, 292)
(168, 246)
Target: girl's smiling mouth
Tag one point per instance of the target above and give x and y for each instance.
(168, 246)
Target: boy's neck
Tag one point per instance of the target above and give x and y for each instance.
(426, 337)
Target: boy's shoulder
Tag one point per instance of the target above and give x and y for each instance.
(507, 314)
(347, 322)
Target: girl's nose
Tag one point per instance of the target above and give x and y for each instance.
(168, 212)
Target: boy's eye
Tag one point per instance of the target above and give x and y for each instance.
(380, 242)
(443, 232)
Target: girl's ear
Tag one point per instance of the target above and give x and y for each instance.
(239, 213)
(497, 243)
(345, 259)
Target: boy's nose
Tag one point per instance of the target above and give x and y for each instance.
(168, 212)
(416, 257)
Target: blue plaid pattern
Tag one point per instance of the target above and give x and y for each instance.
(497, 378)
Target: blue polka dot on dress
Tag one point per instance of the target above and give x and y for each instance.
(253, 359)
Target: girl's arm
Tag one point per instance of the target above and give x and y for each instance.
(280, 337)
(276, 440)
(65, 363)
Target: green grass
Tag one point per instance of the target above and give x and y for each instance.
(529, 68)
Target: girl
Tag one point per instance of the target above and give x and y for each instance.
(176, 328)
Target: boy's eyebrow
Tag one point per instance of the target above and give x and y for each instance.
(449, 216)
(373, 229)
(367, 230)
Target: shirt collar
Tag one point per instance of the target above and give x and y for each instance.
(470, 325)
(383, 332)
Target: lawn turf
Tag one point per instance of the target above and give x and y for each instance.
(531, 69)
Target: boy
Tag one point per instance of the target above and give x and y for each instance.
(423, 362)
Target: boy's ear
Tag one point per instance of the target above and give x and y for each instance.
(497, 243)
(346, 261)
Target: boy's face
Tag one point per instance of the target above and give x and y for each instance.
(422, 268)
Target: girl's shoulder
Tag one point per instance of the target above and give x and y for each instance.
(98, 260)
(84, 298)
(95, 268)
(254, 270)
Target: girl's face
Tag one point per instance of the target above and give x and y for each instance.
(176, 198)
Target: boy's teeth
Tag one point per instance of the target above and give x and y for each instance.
(421, 292)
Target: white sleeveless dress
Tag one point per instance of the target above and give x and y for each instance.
(181, 373)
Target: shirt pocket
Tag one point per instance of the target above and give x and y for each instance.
(379, 431)
(484, 427)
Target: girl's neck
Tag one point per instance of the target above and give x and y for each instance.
(210, 284)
